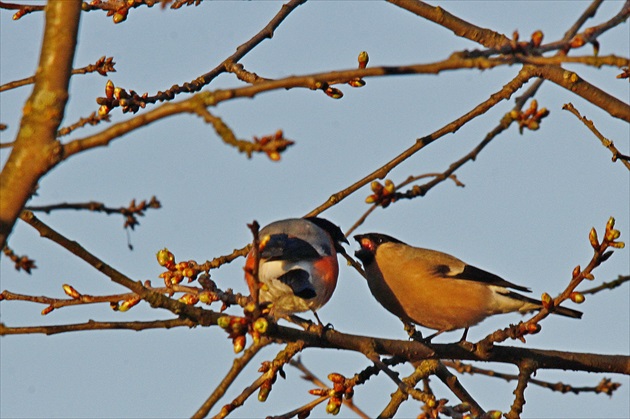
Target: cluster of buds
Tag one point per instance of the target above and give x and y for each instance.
(342, 387)
(363, 61)
(134, 210)
(382, 195)
(606, 386)
(432, 409)
(265, 388)
(21, 262)
(273, 145)
(523, 47)
(176, 271)
(610, 236)
(24, 10)
(102, 66)
(119, 12)
(531, 118)
(117, 96)
(238, 328)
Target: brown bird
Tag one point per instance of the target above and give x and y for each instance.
(436, 290)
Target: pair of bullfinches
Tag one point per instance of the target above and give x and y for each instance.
(298, 272)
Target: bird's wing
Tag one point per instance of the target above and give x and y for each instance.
(298, 281)
(470, 273)
(284, 247)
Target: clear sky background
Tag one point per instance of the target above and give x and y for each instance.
(525, 212)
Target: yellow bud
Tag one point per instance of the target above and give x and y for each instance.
(493, 414)
(223, 322)
(336, 377)
(165, 257)
(333, 407)
(618, 245)
(109, 89)
(265, 389)
(376, 186)
(260, 325)
(592, 237)
(389, 186)
(589, 276)
(371, 199)
(189, 299)
(610, 223)
(127, 304)
(120, 16)
(334, 93)
(547, 301)
(206, 297)
(71, 291)
(514, 114)
(537, 38)
(533, 328)
(103, 110)
(576, 271)
(274, 155)
(47, 310)
(239, 343)
(357, 83)
(363, 59)
(577, 297)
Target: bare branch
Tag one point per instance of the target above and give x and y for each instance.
(102, 66)
(94, 325)
(237, 367)
(625, 160)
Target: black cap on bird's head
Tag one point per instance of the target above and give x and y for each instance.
(335, 232)
(369, 243)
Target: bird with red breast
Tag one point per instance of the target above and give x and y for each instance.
(298, 266)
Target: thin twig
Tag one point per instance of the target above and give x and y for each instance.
(102, 66)
(95, 325)
(608, 285)
(458, 389)
(309, 376)
(237, 367)
(616, 155)
(526, 368)
(507, 90)
(463, 368)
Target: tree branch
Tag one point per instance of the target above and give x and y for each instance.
(35, 149)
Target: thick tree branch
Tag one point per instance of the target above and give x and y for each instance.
(36, 150)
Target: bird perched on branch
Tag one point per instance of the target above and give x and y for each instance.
(298, 266)
(436, 290)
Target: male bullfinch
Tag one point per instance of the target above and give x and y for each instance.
(298, 264)
(436, 290)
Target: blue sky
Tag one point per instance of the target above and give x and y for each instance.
(525, 212)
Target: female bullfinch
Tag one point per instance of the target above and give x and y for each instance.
(436, 290)
(298, 264)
